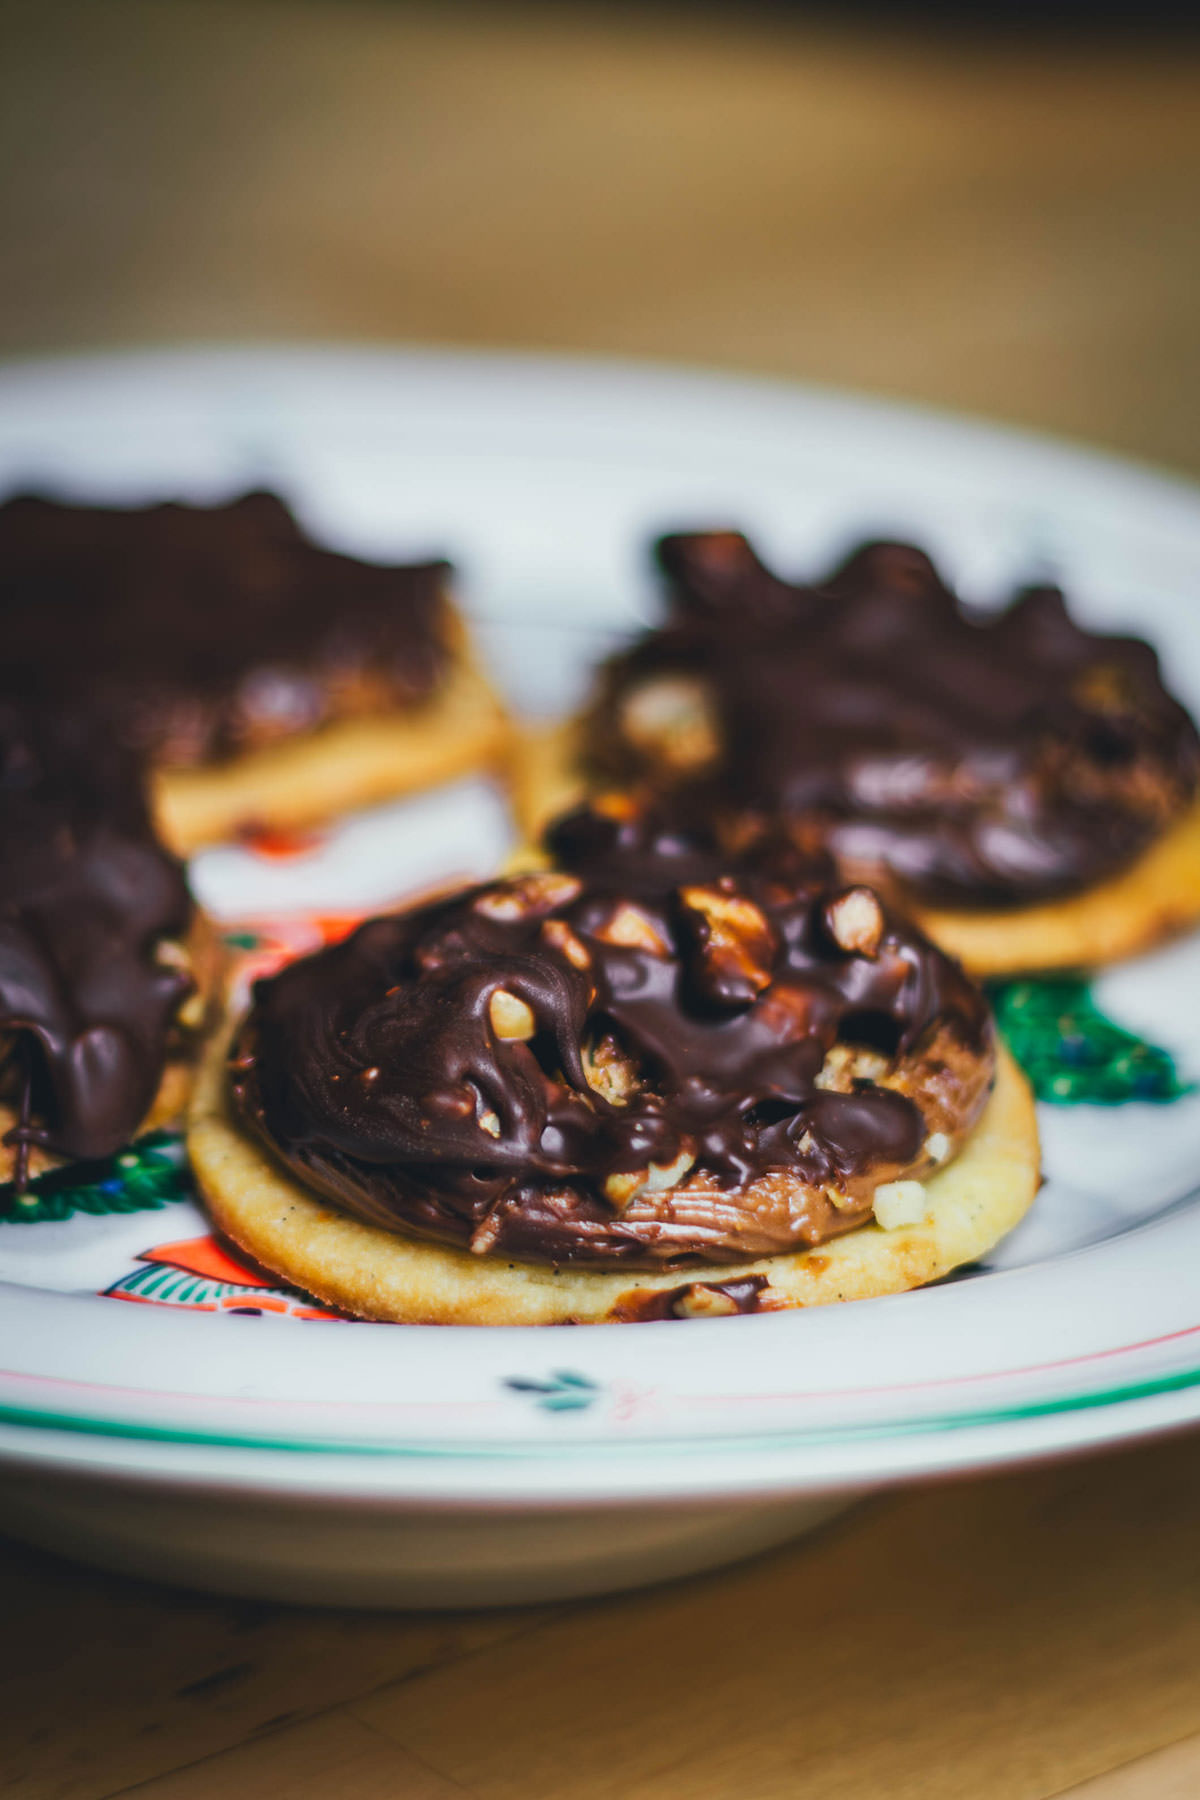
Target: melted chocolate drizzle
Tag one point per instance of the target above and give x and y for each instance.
(374, 1070)
(202, 632)
(976, 760)
(86, 897)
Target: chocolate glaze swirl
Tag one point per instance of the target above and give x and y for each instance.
(87, 899)
(673, 1070)
(203, 632)
(974, 760)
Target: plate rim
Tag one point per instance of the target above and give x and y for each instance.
(728, 380)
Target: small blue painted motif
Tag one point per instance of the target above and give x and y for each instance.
(562, 1391)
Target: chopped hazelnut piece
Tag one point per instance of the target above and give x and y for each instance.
(847, 1063)
(937, 1146)
(736, 944)
(701, 1302)
(558, 934)
(837, 1071)
(899, 1203)
(528, 897)
(487, 1231)
(490, 1122)
(855, 921)
(671, 719)
(510, 1017)
(621, 1190)
(170, 954)
(632, 929)
(609, 1071)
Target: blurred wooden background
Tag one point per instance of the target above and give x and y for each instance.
(1004, 221)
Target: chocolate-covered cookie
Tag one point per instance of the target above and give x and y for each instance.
(265, 679)
(104, 963)
(1028, 789)
(975, 760)
(651, 1057)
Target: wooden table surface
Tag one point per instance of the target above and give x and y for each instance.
(1005, 225)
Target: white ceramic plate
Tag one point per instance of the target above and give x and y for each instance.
(323, 1459)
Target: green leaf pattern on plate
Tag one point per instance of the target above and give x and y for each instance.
(1073, 1054)
(151, 1174)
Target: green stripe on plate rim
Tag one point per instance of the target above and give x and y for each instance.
(35, 1419)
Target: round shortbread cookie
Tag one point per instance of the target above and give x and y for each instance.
(1157, 897)
(379, 1274)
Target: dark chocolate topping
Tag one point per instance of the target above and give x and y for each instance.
(989, 760)
(87, 900)
(204, 631)
(534, 1066)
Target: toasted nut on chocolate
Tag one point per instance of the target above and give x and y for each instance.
(510, 1017)
(560, 937)
(837, 1071)
(736, 943)
(619, 1190)
(622, 1190)
(170, 954)
(847, 1063)
(701, 1302)
(609, 1071)
(899, 1203)
(490, 1122)
(671, 719)
(528, 897)
(487, 1231)
(632, 929)
(855, 921)
(937, 1146)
